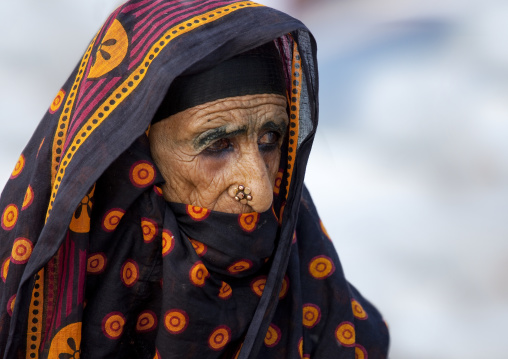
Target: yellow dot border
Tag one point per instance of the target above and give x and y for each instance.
(35, 317)
(65, 116)
(294, 113)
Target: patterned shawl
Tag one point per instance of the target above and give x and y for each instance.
(95, 264)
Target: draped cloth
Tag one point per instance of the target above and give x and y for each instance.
(96, 264)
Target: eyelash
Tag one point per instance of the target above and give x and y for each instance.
(267, 147)
(225, 145)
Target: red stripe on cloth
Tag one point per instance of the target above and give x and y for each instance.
(61, 281)
(81, 276)
(161, 30)
(149, 22)
(70, 283)
(129, 8)
(50, 304)
(154, 3)
(97, 98)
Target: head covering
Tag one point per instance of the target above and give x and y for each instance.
(94, 261)
(257, 71)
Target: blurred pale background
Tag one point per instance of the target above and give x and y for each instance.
(410, 165)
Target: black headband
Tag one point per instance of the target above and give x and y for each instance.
(258, 71)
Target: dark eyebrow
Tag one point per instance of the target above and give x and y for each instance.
(215, 134)
(272, 126)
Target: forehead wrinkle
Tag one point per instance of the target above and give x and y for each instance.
(231, 118)
(226, 106)
(231, 114)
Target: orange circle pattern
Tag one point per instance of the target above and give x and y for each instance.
(150, 229)
(112, 219)
(18, 168)
(219, 338)
(345, 334)
(157, 190)
(9, 217)
(197, 213)
(112, 325)
(147, 321)
(199, 247)
(21, 250)
(142, 174)
(157, 355)
(278, 182)
(10, 304)
(284, 288)
(300, 347)
(57, 102)
(96, 263)
(168, 242)
(198, 274)
(321, 267)
(311, 315)
(360, 352)
(272, 336)
(29, 197)
(358, 310)
(258, 285)
(5, 269)
(129, 273)
(176, 321)
(248, 221)
(240, 266)
(225, 291)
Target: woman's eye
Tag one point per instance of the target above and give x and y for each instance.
(219, 145)
(269, 139)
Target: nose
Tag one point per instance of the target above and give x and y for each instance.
(252, 172)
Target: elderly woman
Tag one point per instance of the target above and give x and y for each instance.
(159, 209)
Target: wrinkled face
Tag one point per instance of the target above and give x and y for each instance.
(208, 150)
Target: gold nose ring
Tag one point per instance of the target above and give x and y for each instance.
(243, 194)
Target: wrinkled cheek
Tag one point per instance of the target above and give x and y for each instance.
(210, 179)
(208, 170)
(272, 161)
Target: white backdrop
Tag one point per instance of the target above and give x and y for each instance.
(410, 166)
